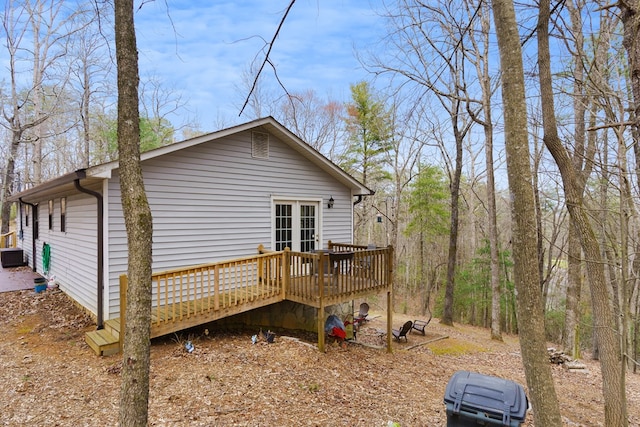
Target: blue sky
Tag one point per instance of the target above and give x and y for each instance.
(200, 49)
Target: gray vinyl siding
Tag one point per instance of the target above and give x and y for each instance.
(212, 202)
(26, 243)
(74, 252)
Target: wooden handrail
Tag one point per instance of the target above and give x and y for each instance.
(332, 246)
(8, 240)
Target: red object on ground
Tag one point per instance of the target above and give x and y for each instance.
(338, 333)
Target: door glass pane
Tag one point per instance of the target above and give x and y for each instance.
(307, 228)
(283, 225)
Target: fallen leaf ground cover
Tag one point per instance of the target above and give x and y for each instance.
(50, 377)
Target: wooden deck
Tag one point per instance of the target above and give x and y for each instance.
(195, 295)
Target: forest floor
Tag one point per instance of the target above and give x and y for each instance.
(50, 377)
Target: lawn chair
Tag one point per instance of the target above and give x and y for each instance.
(420, 325)
(402, 332)
(363, 312)
(360, 318)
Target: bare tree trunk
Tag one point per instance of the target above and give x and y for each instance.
(8, 180)
(134, 391)
(35, 18)
(630, 17)
(447, 315)
(546, 410)
(626, 211)
(84, 115)
(583, 155)
(604, 324)
(14, 114)
(480, 59)
(496, 331)
(570, 340)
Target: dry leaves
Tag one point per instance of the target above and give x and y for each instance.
(50, 376)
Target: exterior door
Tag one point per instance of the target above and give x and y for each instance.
(296, 225)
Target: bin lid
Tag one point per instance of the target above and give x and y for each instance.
(497, 397)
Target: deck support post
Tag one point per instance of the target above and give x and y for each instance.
(321, 337)
(124, 283)
(389, 280)
(322, 259)
(389, 320)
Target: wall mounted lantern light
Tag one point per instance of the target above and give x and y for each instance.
(330, 204)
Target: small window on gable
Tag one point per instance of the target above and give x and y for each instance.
(50, 214)
(63, 214)
(260, 145)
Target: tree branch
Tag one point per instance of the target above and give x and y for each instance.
(266, 58)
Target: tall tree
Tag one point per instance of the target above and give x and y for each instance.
(369, 131)
(546, 410)
(23, 109)
(583, 151)
(402, 157)
(630, 17)
(479, 57)
(154, 133)
(317, 121)
(157, 102)
(91, 79)
(51, 28)
(604, 323)
(134, 391)
(427, 47)
(429, 220)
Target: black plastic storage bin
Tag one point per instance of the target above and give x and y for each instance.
(480, 400)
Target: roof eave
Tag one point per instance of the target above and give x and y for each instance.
(55, 186)
(104, 171)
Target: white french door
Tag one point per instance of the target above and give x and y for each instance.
(295, 225)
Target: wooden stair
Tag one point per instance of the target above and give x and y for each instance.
(105, 342)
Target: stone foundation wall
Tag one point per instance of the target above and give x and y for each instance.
(286, 315)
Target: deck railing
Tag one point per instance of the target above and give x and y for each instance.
(8, 240)
(341, 247)
(189, 295)
(204, 288)
(341, 273)
(183, 294)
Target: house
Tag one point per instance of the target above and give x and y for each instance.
(213, 197)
